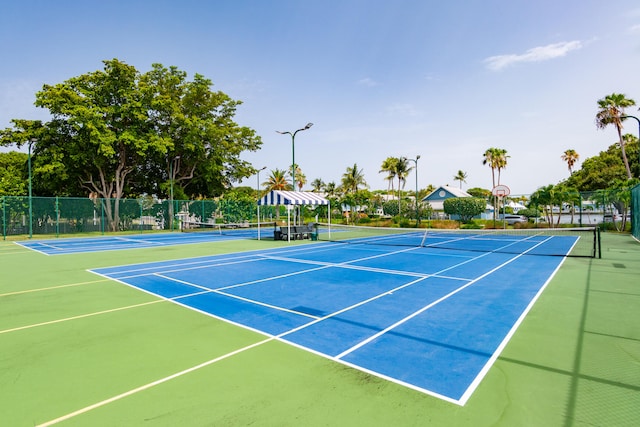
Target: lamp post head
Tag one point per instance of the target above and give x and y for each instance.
(308, 126)
(418, 157)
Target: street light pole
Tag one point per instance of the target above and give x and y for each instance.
(31, 141)
(293, 156)
(258, 188)
(416, 162)
(293, 152)
(638, 120)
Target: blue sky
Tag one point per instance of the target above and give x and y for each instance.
(445, 80)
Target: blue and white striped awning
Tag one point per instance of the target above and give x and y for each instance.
(280, 197)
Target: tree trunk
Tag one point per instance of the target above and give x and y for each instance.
(624, 154)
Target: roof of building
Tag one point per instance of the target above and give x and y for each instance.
(280, 197)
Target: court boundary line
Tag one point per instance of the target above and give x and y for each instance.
(153, 384)
(485, 369)
(80, 316)
(51, 288)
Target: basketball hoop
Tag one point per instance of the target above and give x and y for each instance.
(501, 191)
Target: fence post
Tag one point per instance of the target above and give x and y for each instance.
(4, 218)
(102, 217)
(580, 200)
(57, 217)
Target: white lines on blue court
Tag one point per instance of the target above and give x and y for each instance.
(65, 246)
(416, 316)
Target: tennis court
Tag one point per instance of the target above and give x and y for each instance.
(427, 317)
(241, 332)
(212, 232)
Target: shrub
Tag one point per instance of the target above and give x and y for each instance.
(465, 207)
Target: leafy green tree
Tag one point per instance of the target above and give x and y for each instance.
(465, 207)
(546, 198)
(196, 127)
(117, 133)
(480, 192)
(13, 179)
(599, 172)
(611, 110)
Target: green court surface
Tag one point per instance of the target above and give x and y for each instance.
(80, 350)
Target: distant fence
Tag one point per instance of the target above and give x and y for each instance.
(635, 212)
(68, 215)
(21, 215)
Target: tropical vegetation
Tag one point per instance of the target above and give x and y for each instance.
(117, 133)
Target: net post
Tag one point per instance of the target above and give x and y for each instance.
(424, 238)
(598, 237)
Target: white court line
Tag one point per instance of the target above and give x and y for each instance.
(152, 384)
(31, 249)
(485, 369)
(52, 288)
(81, 316)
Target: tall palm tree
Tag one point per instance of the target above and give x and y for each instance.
(352, 179)
(330, 189)
(501, 162)
(389, 167)
(301, 179)
(461, 176)
(402, 170)
(317, 185)
(277, 181)
(610, 113)
(496, 158)
(489, 159)
(571, 157)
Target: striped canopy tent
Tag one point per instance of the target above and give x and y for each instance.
(294, 198)
(280, 197)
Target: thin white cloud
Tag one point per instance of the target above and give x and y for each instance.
(536, 54)
(403, 110)
(634, 29)
(369, 82)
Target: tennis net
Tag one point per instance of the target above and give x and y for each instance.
(249, 230)
(578, 242)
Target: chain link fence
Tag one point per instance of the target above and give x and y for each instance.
(55, 216)
(611, 209)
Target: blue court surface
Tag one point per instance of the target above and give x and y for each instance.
(134, 241)
(428, 318)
